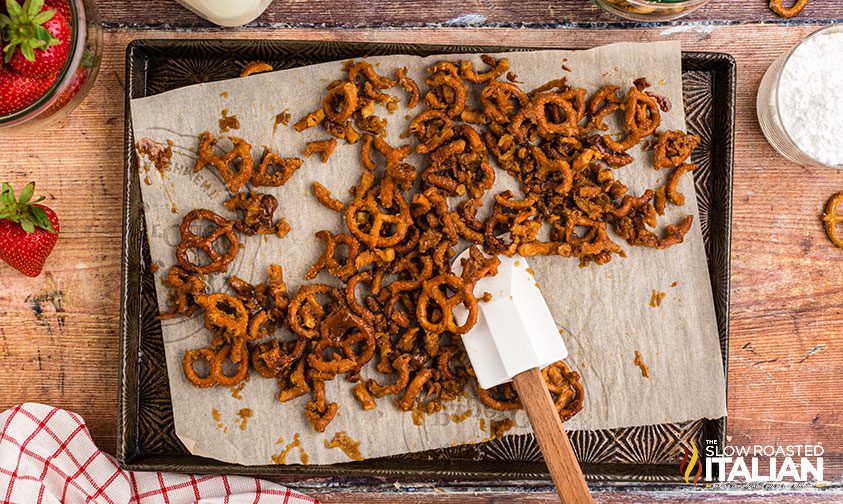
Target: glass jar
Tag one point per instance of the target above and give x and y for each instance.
(650, 10)
(769, 107)
(76, 77)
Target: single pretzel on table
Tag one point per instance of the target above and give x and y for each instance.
(332, 259)
(222, 228)
(498, 68)
(228, 319)
(566, 388)
(432, 128)
(500, 397)
(559, 113)
(318, 410)
(788, 12)
(184, 287)
(274, 170)
(306, 312)
(273, 357)
(642, 116)
(604, 102)
(322, 147)
(499, 100)
(292, 383)
(447, 93)
(258, 211)
(365, 69)
(340, 102)
(831, 219)
(435, 307)
(672, 148)
(269, 296)
(192, 356)
(342, 330)
(673, 195)
(323, 196)
(375, 225)
(410, 86)
(233, 173)
(242, 370)
(255, 67)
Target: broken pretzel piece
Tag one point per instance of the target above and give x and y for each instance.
(323, 147)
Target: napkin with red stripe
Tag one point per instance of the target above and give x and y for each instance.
(47, 456)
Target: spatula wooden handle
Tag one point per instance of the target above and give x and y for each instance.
(553, 441)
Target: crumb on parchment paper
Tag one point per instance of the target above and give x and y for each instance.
(244, 414)
(215, 414)
(656, 298)
(418, 414)
(281, 458)
(227, 122)
(156, 153)
(235, 391)
(344, 442)
(160, 156)
(283, 118)
(639, 361)
(460, 417)
(501, 427)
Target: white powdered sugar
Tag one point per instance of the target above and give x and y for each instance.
(811, 97)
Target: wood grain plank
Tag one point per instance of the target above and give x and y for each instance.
(787, 313)
(442, 13)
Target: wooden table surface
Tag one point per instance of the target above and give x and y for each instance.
(444, 13)
(58, 332)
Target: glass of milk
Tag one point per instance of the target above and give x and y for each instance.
(227, 12)
(800, 100)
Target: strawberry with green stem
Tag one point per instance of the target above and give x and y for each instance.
(61, 6)
(37, 38)
(28, 231)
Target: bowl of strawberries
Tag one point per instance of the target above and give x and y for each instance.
(50, 53)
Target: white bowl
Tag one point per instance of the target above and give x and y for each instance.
(768, 107)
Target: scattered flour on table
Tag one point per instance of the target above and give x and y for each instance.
(811, 97)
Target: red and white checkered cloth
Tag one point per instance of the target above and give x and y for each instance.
(47, 456)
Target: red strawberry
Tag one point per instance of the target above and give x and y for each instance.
(70, 91)
(17, 91)
(37, 38)
(61, 6)
(28, 232)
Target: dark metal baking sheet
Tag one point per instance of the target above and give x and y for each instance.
(646, 456)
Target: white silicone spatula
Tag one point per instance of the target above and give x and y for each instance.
(514, 338)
